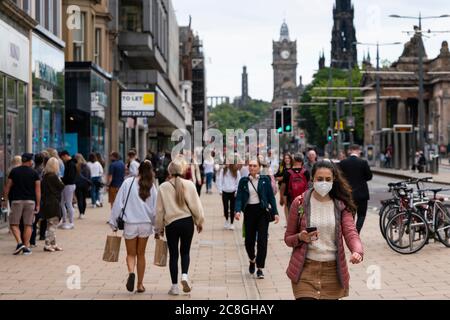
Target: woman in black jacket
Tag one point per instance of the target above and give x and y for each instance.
(51, 186)
(256, 199)
(83, 183)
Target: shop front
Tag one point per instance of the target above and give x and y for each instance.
(88, 100)
(14, 79)
(48, 95)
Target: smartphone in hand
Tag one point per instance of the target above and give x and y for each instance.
(311, 230)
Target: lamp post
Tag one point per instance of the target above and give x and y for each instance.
(330, 107)
(378, 92)
(422, 129)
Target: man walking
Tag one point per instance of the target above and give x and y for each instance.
(23, 190)
(358, 173)
(312, 159)
(116, 176)
(70, 175)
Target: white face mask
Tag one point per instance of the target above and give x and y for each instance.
(323, 188)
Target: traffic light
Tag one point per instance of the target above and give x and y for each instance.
(287, 119)
(330, 135)
(279, 121)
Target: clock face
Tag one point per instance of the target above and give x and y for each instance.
(285, 54)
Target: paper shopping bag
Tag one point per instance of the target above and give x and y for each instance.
(112, 248)
(160, 253)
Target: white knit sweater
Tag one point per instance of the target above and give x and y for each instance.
(322, 217)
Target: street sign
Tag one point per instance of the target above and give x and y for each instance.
(403, 128)
(351, 122)
(336, 125)
(139, 104)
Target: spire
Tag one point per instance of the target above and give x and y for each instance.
(284, 33)
(322, 60)
(343, 43)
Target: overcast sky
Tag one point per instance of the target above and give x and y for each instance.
(240, 32)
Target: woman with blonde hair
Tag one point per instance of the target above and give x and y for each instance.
(16, 161)
(54, 154)
(52, 187)
(178, 209)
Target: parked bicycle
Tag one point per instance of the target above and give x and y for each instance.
(399, 199)
(409, 230)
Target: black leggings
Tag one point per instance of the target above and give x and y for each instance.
(183, 230)
(228, 199)
(81, 199)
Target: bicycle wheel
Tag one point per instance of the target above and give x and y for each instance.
(442, 224)
(407, 232)
(386, 215)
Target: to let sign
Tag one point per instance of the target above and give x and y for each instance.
(137, 104)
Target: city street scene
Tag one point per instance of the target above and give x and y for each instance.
(224, 150)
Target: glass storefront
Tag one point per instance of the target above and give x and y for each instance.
(100, 91)
(48, 95)
(131, 16)
(13, 95)
(87, 91)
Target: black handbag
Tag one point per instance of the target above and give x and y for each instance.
(120, 222)
(267, 211)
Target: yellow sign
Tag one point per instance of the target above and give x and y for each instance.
(149, 98)
(336, 126)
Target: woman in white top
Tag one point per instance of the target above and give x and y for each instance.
(96, 170)
(227, 184)
(139, 217)
(208, 167)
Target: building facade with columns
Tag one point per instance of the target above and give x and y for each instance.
(400, 96)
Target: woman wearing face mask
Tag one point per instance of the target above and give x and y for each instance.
(318, 268)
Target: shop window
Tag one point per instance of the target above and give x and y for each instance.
(98, 46)
(38, 9)
(2, 138)
(21, 118)
(56, 16)
(26, 6)
(131, 16)
(79, 39)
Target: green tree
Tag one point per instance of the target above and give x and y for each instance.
(227, 116)
(316, 117)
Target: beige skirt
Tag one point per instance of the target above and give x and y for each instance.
(319, 280)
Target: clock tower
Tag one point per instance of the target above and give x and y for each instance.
(285, 88)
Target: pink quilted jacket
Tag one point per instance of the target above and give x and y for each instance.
(299, 218)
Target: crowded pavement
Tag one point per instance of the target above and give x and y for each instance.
(218, 264)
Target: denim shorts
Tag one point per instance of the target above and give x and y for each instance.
(137, 230)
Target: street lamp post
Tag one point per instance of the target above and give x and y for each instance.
(350, 101)
(330, 106)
